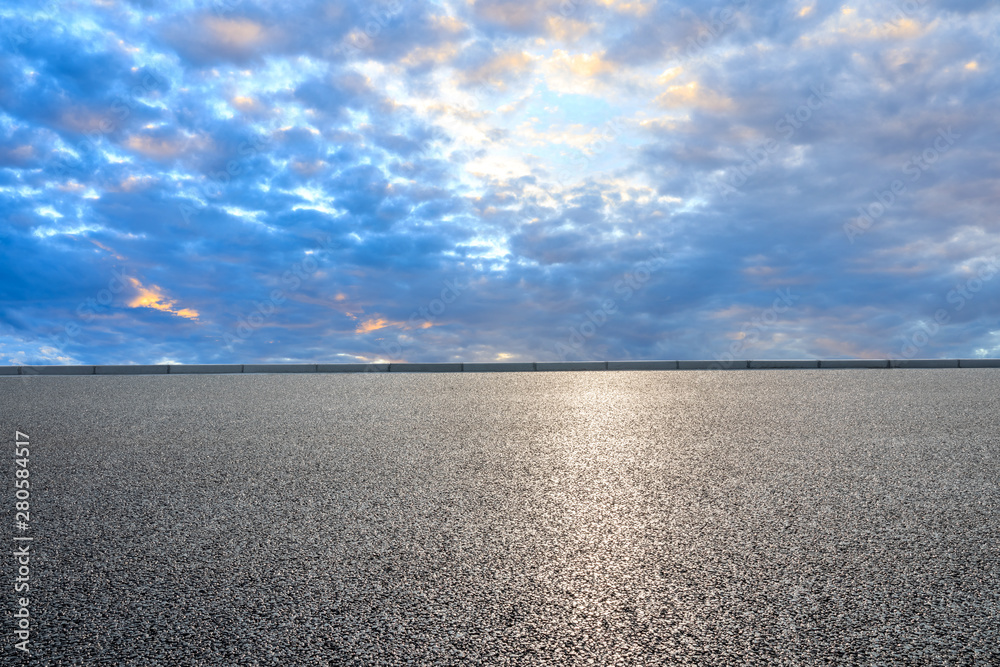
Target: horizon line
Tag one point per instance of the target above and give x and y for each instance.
(495, 366)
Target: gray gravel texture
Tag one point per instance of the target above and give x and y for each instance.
(618, 518)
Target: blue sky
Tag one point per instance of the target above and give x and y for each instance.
(488, 180)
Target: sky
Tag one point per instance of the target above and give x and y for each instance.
(498, 180)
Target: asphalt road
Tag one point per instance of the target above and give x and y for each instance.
(615, 518)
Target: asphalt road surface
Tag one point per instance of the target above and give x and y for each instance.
(614, 518)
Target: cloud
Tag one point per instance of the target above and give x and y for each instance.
(153, 297)
(499, 71)
(476, 180)
(521, 16)
(207, 39)
(692, 94)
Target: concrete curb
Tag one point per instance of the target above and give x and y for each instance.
(571, 365)
(279, 368)
(184, 369)
(352, 368)
(709, 365)
(923, 363)
(854, 363)
(131, 370)
(783, 363)
(642, 365)
(56, 370)
(426, 368)
(499, 367)
(979, 363)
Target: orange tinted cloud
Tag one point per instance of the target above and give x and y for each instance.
(376, 323)
(236, 32)
(693, 95)
(163, 148)
(514, 14)
(628, 6)
(500, 70)
(153, 297)
(583, 64)
(106, 249)
(372, 324)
